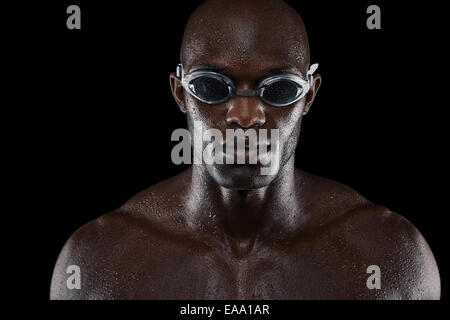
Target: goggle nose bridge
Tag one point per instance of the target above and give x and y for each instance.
(245, 92)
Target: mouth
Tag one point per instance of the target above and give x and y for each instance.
(249, 153)
(247, 149)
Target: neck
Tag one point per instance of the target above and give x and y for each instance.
(272, 210)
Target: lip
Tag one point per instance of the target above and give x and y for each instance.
(250, 151)
(247, 152)
(247, 143)
(247, 148)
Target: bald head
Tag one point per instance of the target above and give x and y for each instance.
(245, 34)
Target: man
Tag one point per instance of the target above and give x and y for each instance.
(227, 231)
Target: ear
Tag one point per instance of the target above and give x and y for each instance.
(312, 92)
(177, 91)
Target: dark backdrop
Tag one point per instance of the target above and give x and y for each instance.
(99, 114)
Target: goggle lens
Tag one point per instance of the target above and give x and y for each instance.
(281, 92)
(210, 89)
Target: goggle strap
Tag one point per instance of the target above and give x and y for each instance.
(309, 74)
(179, 71)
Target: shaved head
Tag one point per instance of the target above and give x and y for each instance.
(245, 33)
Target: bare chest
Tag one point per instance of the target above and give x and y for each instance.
(308, 271)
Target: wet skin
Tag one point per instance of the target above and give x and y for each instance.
(225, 232)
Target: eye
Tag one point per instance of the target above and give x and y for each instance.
(210, 89)
(282, 92)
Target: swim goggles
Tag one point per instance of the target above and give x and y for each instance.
(215, 88)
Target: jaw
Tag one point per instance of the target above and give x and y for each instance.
(239, 177)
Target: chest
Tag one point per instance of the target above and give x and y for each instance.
(299, 272)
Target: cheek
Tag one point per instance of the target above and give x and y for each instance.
(209, 116)
(289, 122)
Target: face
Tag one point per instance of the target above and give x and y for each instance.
(246, 58)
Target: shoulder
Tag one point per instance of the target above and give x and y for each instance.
(326, 199)
(89, 249)
(377, 236)
(102, 246)
(407, 264)
(165, 197)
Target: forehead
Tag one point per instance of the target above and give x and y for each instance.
(246, 42)
(251, 70)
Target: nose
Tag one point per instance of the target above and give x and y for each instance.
(246, 112)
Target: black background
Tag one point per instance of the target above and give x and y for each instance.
(97, 113)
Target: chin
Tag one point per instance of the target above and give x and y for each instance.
(240, 177)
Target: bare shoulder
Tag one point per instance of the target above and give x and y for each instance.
(101, 248)
(83, 249)
(160, 203)
(376, 236)
(94, 250)
(407, 264)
